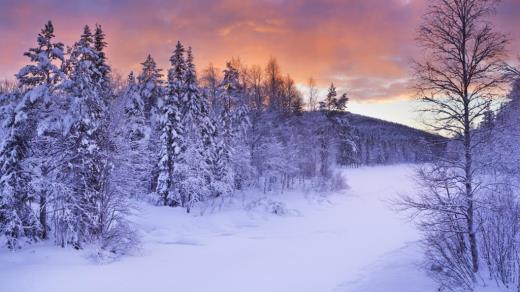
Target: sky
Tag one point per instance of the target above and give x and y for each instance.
(364, 47)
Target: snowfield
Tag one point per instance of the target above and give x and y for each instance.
(349, 241)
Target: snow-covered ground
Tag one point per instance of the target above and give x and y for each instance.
(350, 241)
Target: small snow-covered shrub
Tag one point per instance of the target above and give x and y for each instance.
(500, 235)
(334, 183)
(338, 182)
(120, 240)
(270, 206)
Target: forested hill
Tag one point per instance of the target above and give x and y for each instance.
(383, 142)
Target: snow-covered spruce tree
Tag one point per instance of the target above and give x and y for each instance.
(44, 70)
(150, 86)
(83, 173)
(227, 91)
(241, 162)
(198, 129)
(18, 221)
(40, 80)
(334, 136)
(211, 149)
(91, 209)
(325, 134)
(115, 233)
(19, 182)
(346, 146)
(234, 123)
(103, 75)
(151, 91)
(219, 171)
(137, 129)
(132, 168)
(171, 166)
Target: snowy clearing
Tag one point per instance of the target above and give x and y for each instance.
(350, 241)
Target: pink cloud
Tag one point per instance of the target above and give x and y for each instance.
(363, 46)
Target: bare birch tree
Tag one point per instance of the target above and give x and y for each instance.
(457, 81)
(312, 103)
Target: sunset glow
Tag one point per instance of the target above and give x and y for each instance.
(363, 46)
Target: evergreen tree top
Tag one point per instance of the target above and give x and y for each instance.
(178, 63)
(191, 74)
(99, 40)
(332, 103)
(190, 65)
(88, 71)
(101, 60)
(332, 91)
(47, 31)
(150, 79)
(150, 70)
(231, 78)
(149, 63)
(44, 39)
(86, 39)
(43, 71)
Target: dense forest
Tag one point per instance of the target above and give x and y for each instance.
(79, 142)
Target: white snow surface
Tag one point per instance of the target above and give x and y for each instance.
(350, 241)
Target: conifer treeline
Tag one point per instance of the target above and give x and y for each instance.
(76, 146)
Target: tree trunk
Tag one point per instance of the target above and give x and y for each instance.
(43, 214)
(469, 188)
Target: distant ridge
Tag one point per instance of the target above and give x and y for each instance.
(384, 142)
(358, 120)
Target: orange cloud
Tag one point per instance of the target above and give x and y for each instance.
(363, 46)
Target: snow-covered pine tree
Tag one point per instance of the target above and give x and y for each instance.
(335, 134)
(132, 166)
(42, 79)
(191, 105)
(39, 79)
(89, 208)
(150, 86)
(218, 168)
(241, 162)
(151, 91)
(327, 105)
(18, 221)
(234, 126)
(325, 135)
(43, 70)
(87, 169)
(228, 90)
(171, 166)
(345, 144)
(103, 69)
(19, 172)
(196, 122)
(230, 87)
